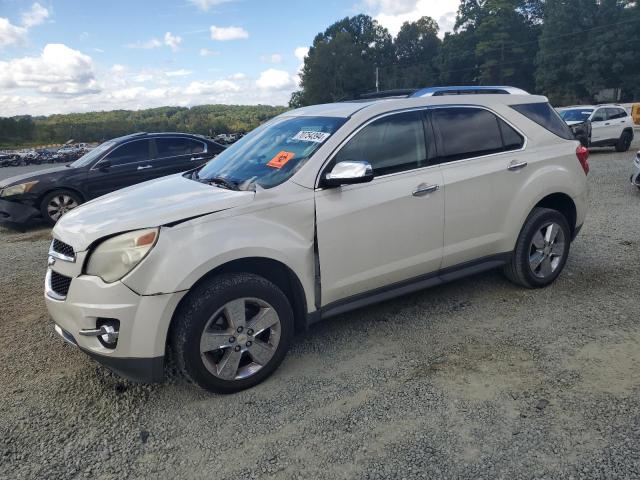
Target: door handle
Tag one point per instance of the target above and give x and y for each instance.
(607, 124)
(424, 189)
(144, 167)
(513, 166)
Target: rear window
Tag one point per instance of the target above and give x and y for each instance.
(545, 116)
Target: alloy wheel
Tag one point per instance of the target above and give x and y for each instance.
(59, 205)
(240, 338)
(546, 250)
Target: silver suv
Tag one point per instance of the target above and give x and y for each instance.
(319, 211)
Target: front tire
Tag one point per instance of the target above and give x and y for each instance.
(232, 332)
(541, 250)
(55, 204)
(624, 142)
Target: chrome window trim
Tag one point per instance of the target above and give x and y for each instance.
(49, 291)
(60, 256)
(414, 109)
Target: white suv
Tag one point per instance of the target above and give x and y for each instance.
(611, 125)
(319, 211)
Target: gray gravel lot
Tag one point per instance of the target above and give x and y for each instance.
(474, 379)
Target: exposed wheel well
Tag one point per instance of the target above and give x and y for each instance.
(628, 130)
(276, 272)
(564, 204)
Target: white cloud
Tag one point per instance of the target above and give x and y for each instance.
(10, 33)
(205, 52)
(179, 73)
(172, 41)
(273, 79)
(58, 70)
(224, 34)
(301, 52)
(148, 45)
(273, 58)
(36, 15)
(218, 86)
(207, 4)
(238, 76)
(393, 13)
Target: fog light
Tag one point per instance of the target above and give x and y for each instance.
(107, 332)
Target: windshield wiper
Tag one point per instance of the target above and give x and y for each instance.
(220, 182)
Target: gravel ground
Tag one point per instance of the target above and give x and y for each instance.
(474, 379)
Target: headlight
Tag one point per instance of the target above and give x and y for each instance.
(115, 257)
(17, 189)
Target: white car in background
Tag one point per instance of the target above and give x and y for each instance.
(611, 125)
(635, 178)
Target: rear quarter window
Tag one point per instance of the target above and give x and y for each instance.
(545, 116)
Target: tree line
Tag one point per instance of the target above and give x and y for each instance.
(569, 50)
(100, 126)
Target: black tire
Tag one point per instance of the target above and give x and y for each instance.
(49, 197)
(195, 313)
(624, 142)
(518, 270)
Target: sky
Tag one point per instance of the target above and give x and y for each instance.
(62, 56)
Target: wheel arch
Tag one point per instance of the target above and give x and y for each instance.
(562, 203)
(56, 189)
(273, 270)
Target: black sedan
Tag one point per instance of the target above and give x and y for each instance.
(115, 164)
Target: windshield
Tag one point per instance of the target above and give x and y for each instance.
(271, 153)
(89, 157)
(575, 114)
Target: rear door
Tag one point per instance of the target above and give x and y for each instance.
(483, 166)
(618, 121)
(179, 154)
(130, 163)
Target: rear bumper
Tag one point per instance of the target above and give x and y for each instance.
(15, 212)
(145, 370)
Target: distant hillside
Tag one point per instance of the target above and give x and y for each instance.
(99, 126)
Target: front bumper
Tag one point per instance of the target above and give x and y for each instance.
(144, 323)
(16, 212)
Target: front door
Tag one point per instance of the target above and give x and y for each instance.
(379, 233)
(600, 126)
(128, 164)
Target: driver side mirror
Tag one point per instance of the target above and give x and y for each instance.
(104, 165)
(348, 173)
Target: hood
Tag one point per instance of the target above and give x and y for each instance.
(149, 204)
(37, 175)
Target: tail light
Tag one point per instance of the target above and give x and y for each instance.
(583, 157)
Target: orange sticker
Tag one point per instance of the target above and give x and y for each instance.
(281, 159)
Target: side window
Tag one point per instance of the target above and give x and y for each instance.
(599, 115)
(195, 146)
(511, 139)
(390, 144)
(545, 116)
(173, 147)
(136, 151)
(616, 113)
(467, 132)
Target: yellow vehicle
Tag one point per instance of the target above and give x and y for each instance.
(635, 113)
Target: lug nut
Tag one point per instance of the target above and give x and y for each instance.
(239, 329)
(248, 344)
(237, 349)
(232, 339)
(249, 332)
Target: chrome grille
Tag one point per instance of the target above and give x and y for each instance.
(62, 250)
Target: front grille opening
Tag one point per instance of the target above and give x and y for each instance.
(63, 248)
(60, 283)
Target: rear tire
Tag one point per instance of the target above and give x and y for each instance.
(541, 250)
(624, 142)
(232, 332)
(55, 204)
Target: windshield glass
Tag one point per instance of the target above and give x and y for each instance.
(92, 155)
(271, 153)
(575, 114)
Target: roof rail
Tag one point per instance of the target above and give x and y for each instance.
(469, 90)
(397, 93)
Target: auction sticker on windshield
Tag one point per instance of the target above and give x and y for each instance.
(281, 159)
(308, 136)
